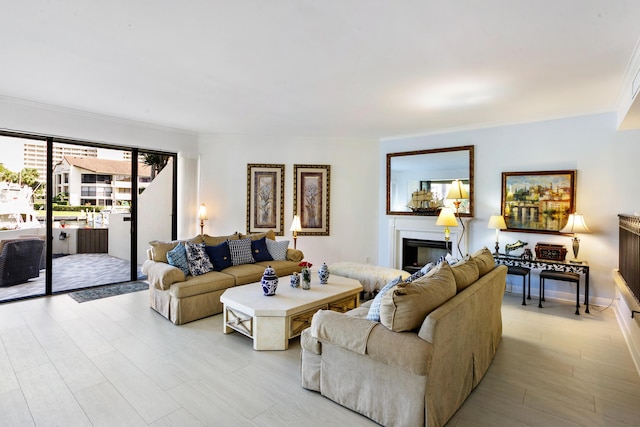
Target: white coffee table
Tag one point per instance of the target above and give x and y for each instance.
(272, 321)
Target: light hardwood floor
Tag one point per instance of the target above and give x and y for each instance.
(115, 362)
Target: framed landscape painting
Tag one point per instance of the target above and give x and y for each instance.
(538, 202)
(311, 184)
(265, 207)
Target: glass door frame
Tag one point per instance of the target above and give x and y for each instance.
(134, 200)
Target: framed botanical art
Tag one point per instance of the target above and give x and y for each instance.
(265, 207)
(311, 184)
(538, 202)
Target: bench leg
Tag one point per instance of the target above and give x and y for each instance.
(541, 293)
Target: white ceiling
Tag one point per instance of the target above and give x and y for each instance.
(367, 68)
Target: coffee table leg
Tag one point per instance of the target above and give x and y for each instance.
(270, 333)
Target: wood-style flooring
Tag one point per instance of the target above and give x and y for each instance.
(115, 362)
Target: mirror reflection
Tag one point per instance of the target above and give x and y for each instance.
(422, 182)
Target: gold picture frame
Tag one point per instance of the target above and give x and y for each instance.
(311, 198)
(538, 202)
(265, 198)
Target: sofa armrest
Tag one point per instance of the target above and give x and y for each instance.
(162, 275)
(294, 255)
(341, 330)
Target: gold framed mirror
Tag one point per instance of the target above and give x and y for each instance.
(419, 182)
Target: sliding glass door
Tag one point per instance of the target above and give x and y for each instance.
(98, 207)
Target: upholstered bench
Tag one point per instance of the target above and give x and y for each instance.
(371, 277)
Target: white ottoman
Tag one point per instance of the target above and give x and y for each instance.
(371, 277)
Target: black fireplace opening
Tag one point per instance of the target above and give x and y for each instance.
(417, 252)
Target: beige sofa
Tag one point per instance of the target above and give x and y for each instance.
(184, 298)
(401, 375)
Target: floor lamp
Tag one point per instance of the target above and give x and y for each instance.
(202, 214)
(295, 228)
(448, 219)
(457, 192)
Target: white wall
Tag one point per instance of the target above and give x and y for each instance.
(354, 189)
(607, 167)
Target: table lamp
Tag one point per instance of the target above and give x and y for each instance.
(295, 227)
(497, 223)
(575, 225)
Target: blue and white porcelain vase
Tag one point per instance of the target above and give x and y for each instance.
(269, 281)
(295, 280)
(323, 274)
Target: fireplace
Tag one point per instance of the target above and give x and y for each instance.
(418, 252)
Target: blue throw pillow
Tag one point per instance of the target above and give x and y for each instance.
(260, 251)
(219, 255)
(241, 251)
(199, 262)
(374, 309)
(278, 250)
(178, 258)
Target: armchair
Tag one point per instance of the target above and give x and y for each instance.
(20, 260)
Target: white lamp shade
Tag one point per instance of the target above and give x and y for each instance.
(575, 224)
(447, 218)
(497, 222)
(457, 191)
(202, 212)
(295, 225)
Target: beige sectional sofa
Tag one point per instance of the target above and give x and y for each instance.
(184, 298)
(435, 341)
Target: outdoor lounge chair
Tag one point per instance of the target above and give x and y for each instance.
(20, 260)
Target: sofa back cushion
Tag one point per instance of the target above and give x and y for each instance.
(255, 236)
(404, 307)
(159, 249)
(484, 259)
(465, 272)
(216, 240)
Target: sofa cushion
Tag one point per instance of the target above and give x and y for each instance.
(465, 272)
(205, 283)
(241, 251)
(219, 255)
(199, 262)
(216, 240)
(177, 257)
(405, 306)
(374, 309)
(259, 250)
(277, 250)
(245, 273)
(484, 259)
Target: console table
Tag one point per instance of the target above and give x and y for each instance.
(543, 264)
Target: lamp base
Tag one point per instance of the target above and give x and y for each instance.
(576, 261)
(497, 252)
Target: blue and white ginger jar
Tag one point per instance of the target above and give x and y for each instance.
(323, 274)
(269, 281)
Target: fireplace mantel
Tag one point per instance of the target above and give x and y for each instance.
(424, 228)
